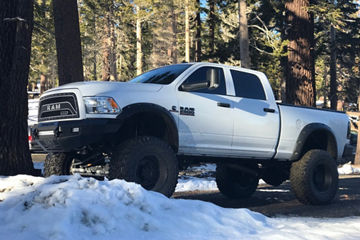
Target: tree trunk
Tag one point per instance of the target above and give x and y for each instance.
(95, 50)
(15, 46)
(325, 86)
(174, 31)
(300, 81)
(109, 72)
(243, 36)
(68, 43)
(106, 50)
(113, 70)
(333, 82)
(212, 23)
(187, 32)
(43, 81)
(139, 54)
(198, 33)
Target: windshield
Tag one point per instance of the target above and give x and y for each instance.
(163, 75)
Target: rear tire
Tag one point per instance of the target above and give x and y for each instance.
(147, 161)
(314, 178)
(234, 183)
(57, 164)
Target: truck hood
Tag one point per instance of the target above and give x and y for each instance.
(93, 88)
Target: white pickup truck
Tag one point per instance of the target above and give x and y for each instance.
(143, 130)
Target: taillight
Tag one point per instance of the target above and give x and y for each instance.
(30, 138)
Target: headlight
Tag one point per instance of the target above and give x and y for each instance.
(101, 105)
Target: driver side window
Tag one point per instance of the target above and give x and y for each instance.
(201, 75)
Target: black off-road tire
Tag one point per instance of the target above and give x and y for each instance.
(147, 161)
(234, 183)
(57, 164)
(314, 178)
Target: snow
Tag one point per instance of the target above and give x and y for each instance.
(33, 105)
(72, 207)
(196, 184)
(348, 169)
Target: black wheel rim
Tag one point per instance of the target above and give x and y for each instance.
(322, 178)
(148, 172)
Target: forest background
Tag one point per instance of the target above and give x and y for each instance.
(121, 39)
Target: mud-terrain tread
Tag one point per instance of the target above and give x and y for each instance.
(122, 162)
(227, 186)
(56, 164)
(301, 176)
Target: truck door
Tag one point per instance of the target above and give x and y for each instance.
(205, 122)
(256, 119)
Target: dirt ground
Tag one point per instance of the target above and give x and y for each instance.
(280, 201)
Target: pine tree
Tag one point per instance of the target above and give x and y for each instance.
(300, 81)
(197, 57)
(15, 46)
(43, 56)
(68, 44)
(243, 35)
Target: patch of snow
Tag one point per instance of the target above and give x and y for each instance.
(196, 184)
(348, 169)
(262, 182)
(272, 190)
(33, 105)
(72, 207)
(39, 165)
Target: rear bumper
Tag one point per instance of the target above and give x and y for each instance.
(66, 136)
(348, 154)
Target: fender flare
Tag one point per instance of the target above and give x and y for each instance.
(306, 132)
(133, 109)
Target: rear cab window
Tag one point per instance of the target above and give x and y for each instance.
(247, 85)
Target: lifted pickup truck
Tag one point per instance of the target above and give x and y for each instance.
(143, 130)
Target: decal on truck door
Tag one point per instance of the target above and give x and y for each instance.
(188, 111)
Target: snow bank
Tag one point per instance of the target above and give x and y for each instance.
(72, 207)
(348, 169)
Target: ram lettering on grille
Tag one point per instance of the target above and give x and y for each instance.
(58, 106)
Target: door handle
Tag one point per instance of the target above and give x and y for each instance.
(270, 110)
(220, 104)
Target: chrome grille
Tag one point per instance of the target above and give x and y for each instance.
(58, 106)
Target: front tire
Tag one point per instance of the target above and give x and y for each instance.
(147, 161)
(236, 183)
(314, 178)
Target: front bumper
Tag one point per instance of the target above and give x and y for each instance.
(66, 136)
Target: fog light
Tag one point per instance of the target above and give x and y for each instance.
(75, 130)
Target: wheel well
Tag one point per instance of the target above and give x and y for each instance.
(320, 139)
(149, 124)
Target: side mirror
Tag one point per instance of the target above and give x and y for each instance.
(194, 86)
(212, 78)
(211, 82)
